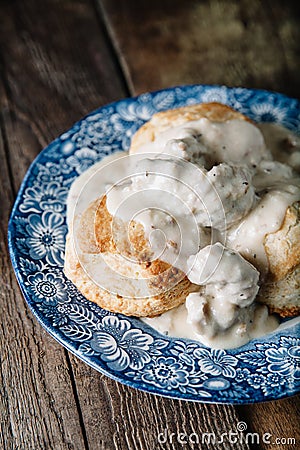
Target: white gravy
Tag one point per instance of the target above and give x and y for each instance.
(232, 141)
(93, 183)
(178, 203)
(253, 322)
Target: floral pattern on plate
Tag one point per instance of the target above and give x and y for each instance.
(121, 347)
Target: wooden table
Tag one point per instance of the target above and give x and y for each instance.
(61, 59)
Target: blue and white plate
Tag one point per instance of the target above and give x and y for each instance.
(124, 348)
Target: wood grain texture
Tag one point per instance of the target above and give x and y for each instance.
(55, 67)
(57, 64)
(37, 405)
(236, 43)
(280, 419)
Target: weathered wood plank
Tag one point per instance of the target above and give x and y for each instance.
(55, 68)
(286, 19)
(37, 405)
(210, 42)
(280, 419)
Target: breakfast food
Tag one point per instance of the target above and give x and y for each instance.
(192, 228)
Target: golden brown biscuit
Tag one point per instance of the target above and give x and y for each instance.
(281, 290)
(141, 307)
(167, 286)
(282, 296)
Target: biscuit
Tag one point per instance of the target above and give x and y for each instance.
(282, 296)
(141, 307)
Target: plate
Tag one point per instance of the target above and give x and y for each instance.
(124, 348)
